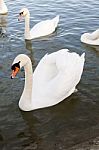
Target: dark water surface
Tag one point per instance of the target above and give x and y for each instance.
(74, 120)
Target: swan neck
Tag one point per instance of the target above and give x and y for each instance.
(28, 77)
(25, 102)
(27, 26)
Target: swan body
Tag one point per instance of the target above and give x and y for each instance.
(54, 79)
(42, 28)
(3, 7)
(91, 38)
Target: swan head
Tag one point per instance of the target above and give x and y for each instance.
(19, 62)
(23, 13)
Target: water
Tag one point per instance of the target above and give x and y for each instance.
(76, 119)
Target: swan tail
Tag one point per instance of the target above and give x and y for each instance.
(82, 59)
(56, 20)
(83, 56)
(95, 34)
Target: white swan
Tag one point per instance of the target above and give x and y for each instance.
(54, 79)
(91, 38)
(42, 28)
(3, 7)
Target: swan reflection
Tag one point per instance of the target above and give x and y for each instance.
(28, 45)
(3, 25)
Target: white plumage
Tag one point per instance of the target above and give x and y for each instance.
(42, 28)
(54, 79)
(91, 38)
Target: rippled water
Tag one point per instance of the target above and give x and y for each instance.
(74, 120)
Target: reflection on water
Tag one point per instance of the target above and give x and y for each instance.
(3, 20)
(74, 120)
(3, 25)
(34, 139)
(45, 124)
(28, 44)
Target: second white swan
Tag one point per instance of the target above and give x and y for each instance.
(42, 28)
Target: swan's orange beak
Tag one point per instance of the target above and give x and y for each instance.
(14, 72)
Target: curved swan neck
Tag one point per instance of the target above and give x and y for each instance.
(27, 26)
(28, 78)
(26, 98)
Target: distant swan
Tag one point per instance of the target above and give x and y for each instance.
(54, 79)
(3, 7)
(91, 38)
(42, 28)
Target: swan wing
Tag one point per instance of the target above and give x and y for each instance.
(44, 28)
(56, 77)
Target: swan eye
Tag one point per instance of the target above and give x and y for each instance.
(21, 13)
(16, 65)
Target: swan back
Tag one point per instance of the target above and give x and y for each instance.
(44, 28)
(56, 77)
